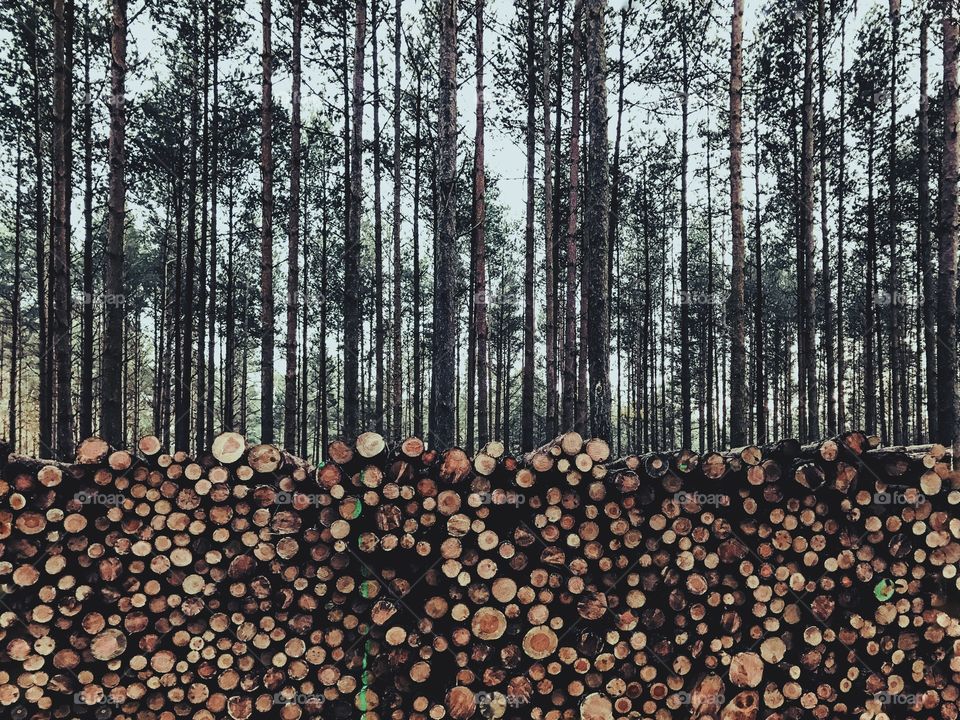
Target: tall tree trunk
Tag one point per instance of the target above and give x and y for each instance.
(293, 243)
(323, 419)
(200, 429)
(45, 364)
(947, 282)
(596, 223)
(396, 373)
(187, 270)
(552, 393)
(529, 318)
(479, 245)
(738, 429)
(685, 352)
(230, 311)
(63, 16)
(925, 259)
(303, 382)
(809, 295)
(266, 231)
(351, 247)
(378, 330)
(442, 397)
(15, 294)
(824, 227)
(214, 189)
(869, 307)
(615, 201)
(759, 343)
(570, 319)
(797, 195)
(841, 209)
(559, 227)
(648, 423)
(711, 319)
(113, 280)
(898, 385)
(417, 347)
(85, 414)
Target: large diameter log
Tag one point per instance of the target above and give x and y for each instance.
(596, 706)
(228, 447)
(746, 669)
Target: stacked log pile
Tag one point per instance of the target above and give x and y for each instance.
(782, 581)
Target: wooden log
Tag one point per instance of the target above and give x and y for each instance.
(414, 584)
(227, 447)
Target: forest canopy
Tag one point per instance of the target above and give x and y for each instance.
(678, 223)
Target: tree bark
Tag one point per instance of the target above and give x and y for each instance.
(187, 270)
(62, 144)
(869, 308)
(230, 329)
(597, 218)
(45, 364)
(85, 411)
(351, 248)
(378, 329)
(841, 217)
(759, 342)
(552, 391)
(529, 317)
(686, 435)
(613, 231)
(200, 429)
(214, 190)
(113, 280)
(738, 430)
(323, 420)
(925, 259)
(898, 385)
(442, 397)
(266, 230)
(15, 295)
(947, 281)
(828, 310)
(290, 414)
(809, 295)
(396, 373)
(417, 346)
(570, 318)
(479, 245)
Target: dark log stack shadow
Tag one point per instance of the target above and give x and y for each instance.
(782, 581)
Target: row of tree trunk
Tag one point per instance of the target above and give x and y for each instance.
(940, 349)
